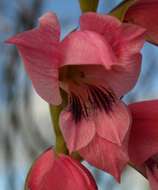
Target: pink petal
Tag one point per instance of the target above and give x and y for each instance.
(39, 170)
(76, 135)
(86, 48)
(59, 173)
(120, 79)
(153, 177)
(38, 49)
(100, 23)
(144, 133)
(127, 45)
(106, 156)
(144, 13)
(114, 126)
(80, 174)
(126, 41)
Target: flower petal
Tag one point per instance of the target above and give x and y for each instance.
(144, 13)
(80, 174)
(122, 79)
(76, 135)
(126, 41)
(114, 126)
(100, 23)
(59, 172)
(116, 33)
(127, 45)
(153, 177)
(86, 48)
(106, 156)
(38, 171)
(144, 132)
(38, 49)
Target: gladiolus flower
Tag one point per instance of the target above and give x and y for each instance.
(143, 143)
(145, 13)
(60, 173)
(95, 66)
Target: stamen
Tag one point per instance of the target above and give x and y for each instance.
(98, 98)
(76, 108)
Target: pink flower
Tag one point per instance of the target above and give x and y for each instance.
(145, 13)
(95, 66)
(60, 172)
(143, 143)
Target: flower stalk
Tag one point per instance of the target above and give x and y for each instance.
(60, 146)
(120, 11)
(88, 5)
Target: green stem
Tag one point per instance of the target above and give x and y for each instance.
(60, 146)
(88, 5)
(121, 9)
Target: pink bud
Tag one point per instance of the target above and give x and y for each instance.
(61, 172)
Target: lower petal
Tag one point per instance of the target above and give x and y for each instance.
(114, 125)
(76, 135)
(153, 177)
(106, 156)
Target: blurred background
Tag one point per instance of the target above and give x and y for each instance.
(25, 127)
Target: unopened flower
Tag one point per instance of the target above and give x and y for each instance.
(95, 66)
(145, 13)
(143, 143)
(60, 172)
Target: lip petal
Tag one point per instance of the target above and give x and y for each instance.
(115, 125)
(76, 135)
(105, 156)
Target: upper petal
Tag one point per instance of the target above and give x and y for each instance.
(38, 49)
(76, 135)
(126, 41)
(100, 23)
(144, 13)
(114, 125)
(59, 172)
(144, 132)
(106, 156)
(119, 35)
(122, 79)
(86, 48)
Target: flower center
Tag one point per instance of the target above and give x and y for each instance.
(86, 90)
(70, 72)
(96, 98)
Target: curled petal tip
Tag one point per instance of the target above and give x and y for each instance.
(48, 17)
